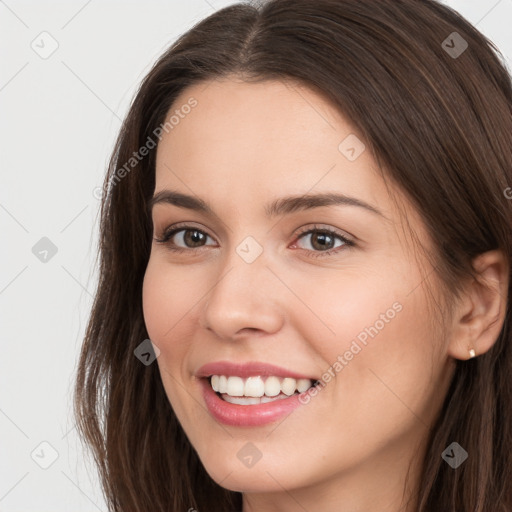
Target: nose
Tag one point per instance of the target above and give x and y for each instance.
(245, 298)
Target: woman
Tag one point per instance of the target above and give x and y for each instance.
(308, 214)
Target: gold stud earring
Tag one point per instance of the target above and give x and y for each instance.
(472, 353)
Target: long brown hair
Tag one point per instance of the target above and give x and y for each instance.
(438, 122)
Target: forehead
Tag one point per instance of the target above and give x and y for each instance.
(268, 134)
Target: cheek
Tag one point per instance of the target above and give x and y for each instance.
(167, 298)
(373, 332)
(338, 308)
(388, 373)
(154, 295)
(165, 305)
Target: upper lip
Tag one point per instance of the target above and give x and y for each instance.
(249, 369)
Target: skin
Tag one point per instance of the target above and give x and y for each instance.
(241, 146)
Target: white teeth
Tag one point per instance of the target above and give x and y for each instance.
(303, 385)
(272, 386)
(223, 384)
(266, 399)
(235, 386)
(215, 383)
(254, 386)
(288, 386)
(242, 400)
(257, 386)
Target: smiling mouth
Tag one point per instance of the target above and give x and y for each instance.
(257, 389)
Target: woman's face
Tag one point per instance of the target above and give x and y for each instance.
(252, 287)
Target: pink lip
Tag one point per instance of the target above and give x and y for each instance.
(246, 415)
(249, 369)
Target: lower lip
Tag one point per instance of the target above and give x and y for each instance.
(246, 415)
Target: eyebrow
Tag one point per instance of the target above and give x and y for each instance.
(281, 206)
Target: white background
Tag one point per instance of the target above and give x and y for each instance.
(59, 118)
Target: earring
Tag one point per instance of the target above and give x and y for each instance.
(472, 353)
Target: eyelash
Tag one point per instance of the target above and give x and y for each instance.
(169, 233)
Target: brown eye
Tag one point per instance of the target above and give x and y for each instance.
(193, 238)
(183, 238)
(323, 241)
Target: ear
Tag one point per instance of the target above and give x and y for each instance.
(480, 314)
